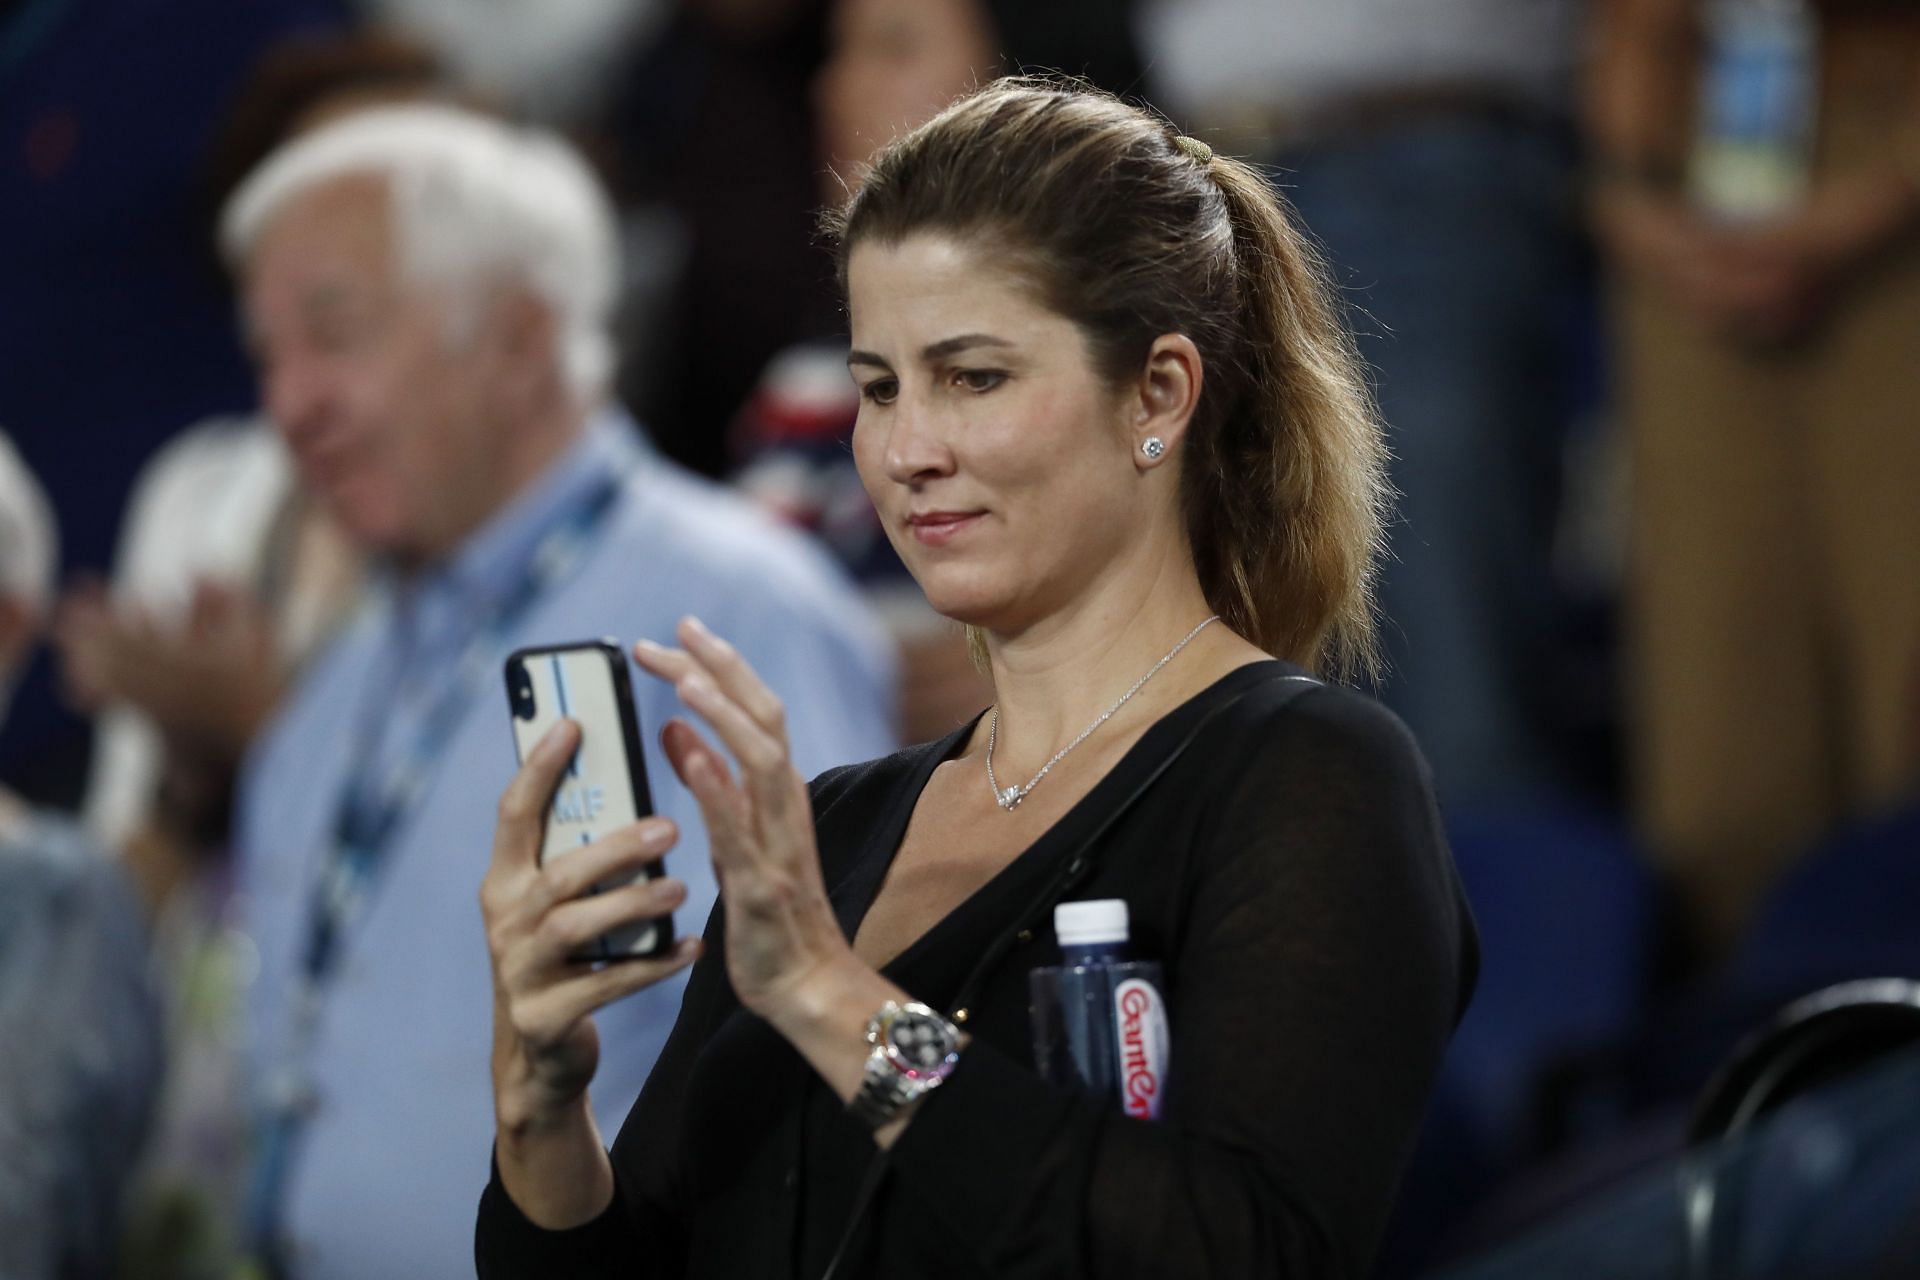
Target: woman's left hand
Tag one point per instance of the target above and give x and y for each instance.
(781, 931)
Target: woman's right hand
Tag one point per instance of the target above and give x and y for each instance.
(545, 1048)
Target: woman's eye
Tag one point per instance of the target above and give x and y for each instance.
(880, 390)
(979, 379)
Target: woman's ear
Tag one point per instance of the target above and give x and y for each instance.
(1168, 393)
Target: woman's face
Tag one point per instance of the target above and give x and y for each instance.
(1000, 462)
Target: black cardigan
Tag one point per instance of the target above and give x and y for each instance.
(1288, 869)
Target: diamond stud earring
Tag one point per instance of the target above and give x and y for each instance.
(1153, 447)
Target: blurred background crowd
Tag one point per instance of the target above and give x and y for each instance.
(1638, 284)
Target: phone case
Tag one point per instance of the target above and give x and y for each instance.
(605, 785)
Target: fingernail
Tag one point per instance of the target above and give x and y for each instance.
(698, 627)
(648, 646)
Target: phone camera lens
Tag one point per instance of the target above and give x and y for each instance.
(523, 706)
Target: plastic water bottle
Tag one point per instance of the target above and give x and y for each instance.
(1100, 1019)
(1759, 101)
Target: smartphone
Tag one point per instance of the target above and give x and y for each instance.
(605, 785)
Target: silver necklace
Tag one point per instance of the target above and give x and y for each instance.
(1012, 796)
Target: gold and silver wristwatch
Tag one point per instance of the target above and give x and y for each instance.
(914, 1050)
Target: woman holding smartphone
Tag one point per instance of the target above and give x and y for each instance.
(1112, 423)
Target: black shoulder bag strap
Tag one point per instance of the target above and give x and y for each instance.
(1072, 872)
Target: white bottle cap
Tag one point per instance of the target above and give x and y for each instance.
(1090, 923)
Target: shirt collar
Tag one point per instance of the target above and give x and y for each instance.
(485, 568)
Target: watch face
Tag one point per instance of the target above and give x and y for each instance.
(921, 1045)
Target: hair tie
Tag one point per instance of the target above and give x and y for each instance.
(1199, 150)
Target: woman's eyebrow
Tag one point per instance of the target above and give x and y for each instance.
(953, 346)
(935, 351)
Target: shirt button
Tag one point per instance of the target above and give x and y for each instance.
(959, 1015)
(793, 1179)
(1025, 935)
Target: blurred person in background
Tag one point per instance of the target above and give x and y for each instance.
(1768, 379)
(891, 65)
(116, 329)
(79, 1022)
(228, 577)
(709, 129)
(428, 296)
(1433, 158)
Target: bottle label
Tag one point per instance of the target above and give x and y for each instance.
(1140, 1016)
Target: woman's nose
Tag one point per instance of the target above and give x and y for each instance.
(917, 448)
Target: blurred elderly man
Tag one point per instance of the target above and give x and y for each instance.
(428, 297)
(79, 1024)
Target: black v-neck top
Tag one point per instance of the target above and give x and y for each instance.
(1289, 871)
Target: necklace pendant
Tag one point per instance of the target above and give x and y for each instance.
(1009, 799)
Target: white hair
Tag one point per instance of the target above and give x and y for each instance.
(475, 202)
(28, 539)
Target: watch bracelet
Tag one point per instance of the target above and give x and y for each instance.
(882, 1092)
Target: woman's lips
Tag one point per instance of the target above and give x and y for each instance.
(937, 528)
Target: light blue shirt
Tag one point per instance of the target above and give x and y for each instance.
(389, 1169)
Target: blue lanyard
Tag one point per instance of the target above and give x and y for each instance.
(371, 809)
